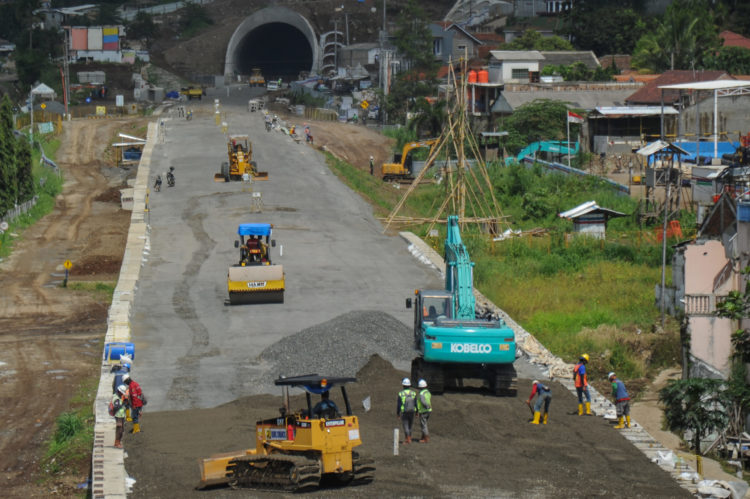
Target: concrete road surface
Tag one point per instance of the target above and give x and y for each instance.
(192, 350)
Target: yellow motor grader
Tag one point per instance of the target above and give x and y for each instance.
(294, 451)
(240, 151)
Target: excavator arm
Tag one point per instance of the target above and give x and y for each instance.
(459, 272)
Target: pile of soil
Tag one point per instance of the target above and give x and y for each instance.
(481, 446)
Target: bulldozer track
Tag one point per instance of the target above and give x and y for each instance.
(363, 469)
(284, 472)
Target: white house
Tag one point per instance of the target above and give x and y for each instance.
(514, 66)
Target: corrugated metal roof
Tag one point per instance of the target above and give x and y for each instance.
(589, 207)
(660, 146)
(707, 85)
(517, 55)
(635, 110)
(578, 99)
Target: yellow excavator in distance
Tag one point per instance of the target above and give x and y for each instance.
(402, 166)
(295, 450)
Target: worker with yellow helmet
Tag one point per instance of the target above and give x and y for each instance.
(582, 384)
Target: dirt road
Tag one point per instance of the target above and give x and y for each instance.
(481, 446)
(50, 337)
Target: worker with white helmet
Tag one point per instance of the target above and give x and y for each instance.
(622, 401)
(544, 397)
(582, 384)
(372, 165)
(424, 409)
(117, 409)
(405, 407)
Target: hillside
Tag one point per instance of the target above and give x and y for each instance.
(204, 54)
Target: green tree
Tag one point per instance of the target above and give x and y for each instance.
(429, 118)
(695, 405)
(605, 27)
(533, 40)
(413, 39)
(735, 60)
(193, 19)
(8, 160)
(24, 175)
(143, 27)
(682, 40)
(736, 306)
(541, 119)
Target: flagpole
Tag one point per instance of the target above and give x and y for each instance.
(567, 121)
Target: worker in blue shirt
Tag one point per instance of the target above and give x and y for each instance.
(622, 401)
(544, 396)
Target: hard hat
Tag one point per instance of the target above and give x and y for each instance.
(125, 378)
(122, 389)
(422, 383)
(534, 382)
(371, 157)
(610, 375)
(406, 382)
(125, 358)
(585, 357)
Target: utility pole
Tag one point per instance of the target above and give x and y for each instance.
(383, 66)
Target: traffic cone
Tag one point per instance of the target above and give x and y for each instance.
(536, 418)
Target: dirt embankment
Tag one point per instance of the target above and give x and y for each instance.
(50, 337)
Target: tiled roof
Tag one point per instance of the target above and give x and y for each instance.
(651, 94)
(634, 76)
(732, 39)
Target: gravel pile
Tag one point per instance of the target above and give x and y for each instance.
(343, 345)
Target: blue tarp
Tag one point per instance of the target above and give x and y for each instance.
(706, 150)
(173, 94)
(254, 230)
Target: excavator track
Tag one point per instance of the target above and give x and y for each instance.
(275, 471)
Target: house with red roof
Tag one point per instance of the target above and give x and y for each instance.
(732, 39)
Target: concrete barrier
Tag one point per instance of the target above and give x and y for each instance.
(108, 476)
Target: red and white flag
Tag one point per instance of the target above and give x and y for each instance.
(574, 118)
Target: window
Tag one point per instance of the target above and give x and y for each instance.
(520, 74)
(461, 49)
(437, 46)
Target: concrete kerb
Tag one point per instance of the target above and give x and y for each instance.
(108, 476)
(562, 372)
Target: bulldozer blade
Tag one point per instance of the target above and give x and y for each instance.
(260, 176)
(218, 177)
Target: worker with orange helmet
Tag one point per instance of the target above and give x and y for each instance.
(582, 384)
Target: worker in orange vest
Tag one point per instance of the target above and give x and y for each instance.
(582, 384)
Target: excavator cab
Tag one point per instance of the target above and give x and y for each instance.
(296, 449)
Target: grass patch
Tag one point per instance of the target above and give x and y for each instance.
(48, 186)
(102, 291)
(575, 295)
(69, 448)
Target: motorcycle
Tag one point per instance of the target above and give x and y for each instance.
(157, 183)
(170, 177)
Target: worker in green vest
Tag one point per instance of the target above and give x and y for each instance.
(424, 408)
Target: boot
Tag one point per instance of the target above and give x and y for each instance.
(627, 420)
(536, 418)
(620, 423)
(544, 420)
(127, 415)
(118, 444)
(588, 408)
(580, 409)
(425, 439)
(408, 439)
(136, 428)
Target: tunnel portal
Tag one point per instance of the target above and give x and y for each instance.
(277, 40)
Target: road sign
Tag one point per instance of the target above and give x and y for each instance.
(364, 104)
(43, 105)
(68, 264)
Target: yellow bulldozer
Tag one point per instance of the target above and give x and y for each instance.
(255, 279)
(296, 450)
(240, 152)
(256, 78)
(192, 92)
(402, 166)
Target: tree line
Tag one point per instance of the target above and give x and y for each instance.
(16, 180)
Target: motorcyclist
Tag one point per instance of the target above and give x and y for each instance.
(170, 177)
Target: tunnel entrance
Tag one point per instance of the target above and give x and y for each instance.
(279, 41)
(278, 49)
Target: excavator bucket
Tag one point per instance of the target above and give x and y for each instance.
(214, 470)
(256, 284)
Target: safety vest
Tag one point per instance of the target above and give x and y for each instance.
(579, 374)
(407, 400)
(424, 401)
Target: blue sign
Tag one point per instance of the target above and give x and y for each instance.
(88, 100)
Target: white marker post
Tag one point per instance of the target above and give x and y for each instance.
(395, 441)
